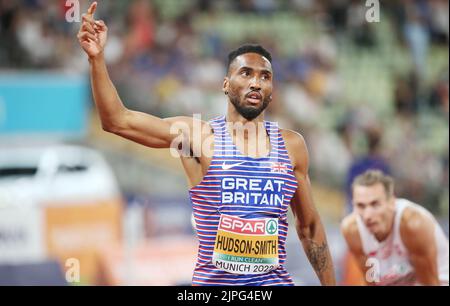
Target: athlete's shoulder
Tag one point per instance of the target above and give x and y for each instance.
(297, 149)
(191, 123)
(416, 227)
(187, 119)
(414, 219)
(292, 137)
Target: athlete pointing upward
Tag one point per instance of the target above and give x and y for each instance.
(244, 172)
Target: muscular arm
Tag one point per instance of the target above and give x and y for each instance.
(307, 221)
(417, 232)
(115, 117)
(139, 127)
(350, 232)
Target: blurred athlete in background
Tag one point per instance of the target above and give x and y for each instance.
(395, 241)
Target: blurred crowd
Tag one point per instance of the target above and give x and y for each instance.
(363, 94)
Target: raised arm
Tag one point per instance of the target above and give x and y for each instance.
(115, 117)
(307, 221)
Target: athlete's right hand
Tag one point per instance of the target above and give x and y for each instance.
(92, 34)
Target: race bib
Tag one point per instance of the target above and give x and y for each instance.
(246, 246)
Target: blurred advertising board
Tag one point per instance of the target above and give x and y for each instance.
(21, 235)
(162, 261)
(81, 232)
(47, 104)
(58, 202)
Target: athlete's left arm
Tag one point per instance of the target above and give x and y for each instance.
(307, 221)
(417, 232)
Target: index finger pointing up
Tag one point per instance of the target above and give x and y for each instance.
(92, 8)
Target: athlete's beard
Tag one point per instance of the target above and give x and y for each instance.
(248, 112)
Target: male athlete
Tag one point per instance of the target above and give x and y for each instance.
(394, 241)
(241, 190)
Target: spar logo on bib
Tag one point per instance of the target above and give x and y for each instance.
(271, 227)
(251, 227)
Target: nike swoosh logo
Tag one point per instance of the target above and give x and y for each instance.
(228, 167)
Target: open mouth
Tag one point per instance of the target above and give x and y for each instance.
(371, 225)
(254, 97)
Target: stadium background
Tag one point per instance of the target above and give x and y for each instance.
(363, 94)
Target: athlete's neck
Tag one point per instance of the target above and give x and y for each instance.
(238, 125)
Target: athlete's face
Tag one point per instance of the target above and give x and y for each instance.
(249, 84)
(375, 207)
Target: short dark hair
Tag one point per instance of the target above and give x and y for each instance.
(248, 48)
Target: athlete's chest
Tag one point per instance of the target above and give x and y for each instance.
(248, 185)
(393, 265)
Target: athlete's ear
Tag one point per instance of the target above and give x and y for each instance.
(226, 84)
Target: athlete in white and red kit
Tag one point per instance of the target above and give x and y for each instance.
(395, 241)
